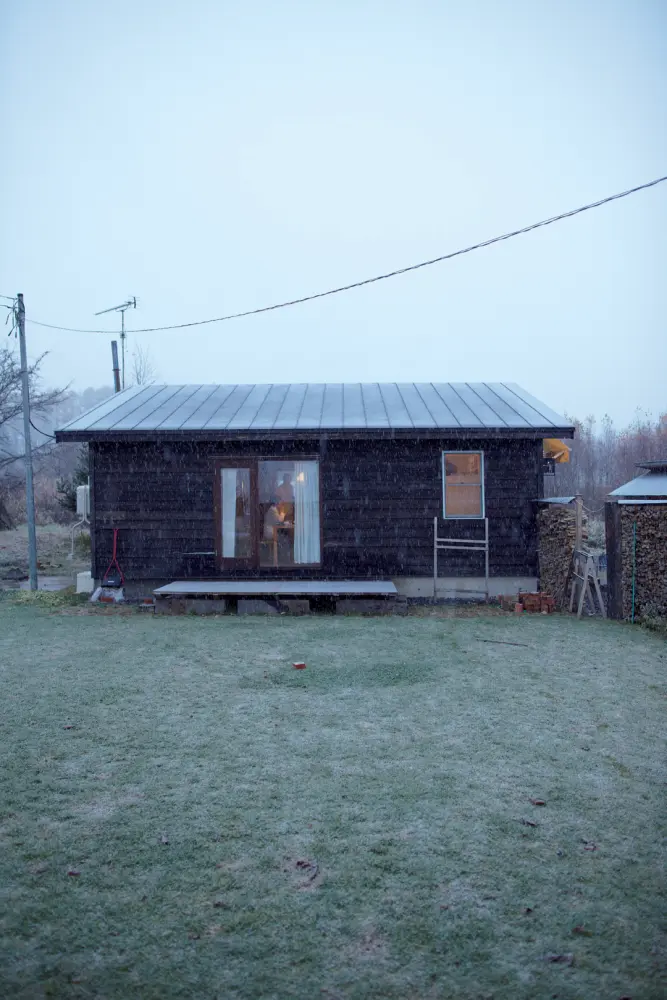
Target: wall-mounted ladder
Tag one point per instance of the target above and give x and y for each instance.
(462, 545)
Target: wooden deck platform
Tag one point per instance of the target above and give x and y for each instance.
(278, 588)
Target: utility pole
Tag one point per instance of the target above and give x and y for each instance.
(29, 487)
(122, 308)
(114, 363)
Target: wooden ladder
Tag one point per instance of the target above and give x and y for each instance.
(585, 573)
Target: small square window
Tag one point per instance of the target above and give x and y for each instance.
(463, 484)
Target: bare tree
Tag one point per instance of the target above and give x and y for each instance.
(143, 369)
(11, 403)
(11, 406)
(603, 458)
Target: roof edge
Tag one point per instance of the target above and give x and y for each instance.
(407, 433)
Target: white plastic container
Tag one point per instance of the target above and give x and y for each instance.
(84, 583)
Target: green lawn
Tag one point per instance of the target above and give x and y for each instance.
(354, 830)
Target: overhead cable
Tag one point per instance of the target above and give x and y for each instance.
(378, 277)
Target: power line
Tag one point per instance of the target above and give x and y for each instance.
(379, 277)
(44, 433)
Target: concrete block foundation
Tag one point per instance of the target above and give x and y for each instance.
(369, 606)
(189, 606)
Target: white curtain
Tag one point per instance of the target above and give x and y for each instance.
(306, 512)
(228, 513)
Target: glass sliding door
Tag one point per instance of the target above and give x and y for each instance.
(236, 515)
(269, 513)
(289, 513)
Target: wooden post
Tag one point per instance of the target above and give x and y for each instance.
(579, 508)
(29, 487)
(486, 558)
(114, 363)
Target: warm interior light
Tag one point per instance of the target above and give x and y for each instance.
(555, 449)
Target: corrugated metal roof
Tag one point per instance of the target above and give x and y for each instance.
(661, 464)
(638, 502)
(318, 407)
(651, 484)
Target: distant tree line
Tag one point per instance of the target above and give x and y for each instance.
(603, 457)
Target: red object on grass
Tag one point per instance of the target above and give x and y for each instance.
(299, 666)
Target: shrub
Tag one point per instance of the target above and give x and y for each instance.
(66, 485)
(654, 617)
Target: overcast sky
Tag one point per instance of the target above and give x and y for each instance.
(217, 156)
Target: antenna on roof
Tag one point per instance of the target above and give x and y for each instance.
(130, 304)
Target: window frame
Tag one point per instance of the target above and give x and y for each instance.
(463, 517)
(253, 563)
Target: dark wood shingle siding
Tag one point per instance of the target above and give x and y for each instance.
(378, 504)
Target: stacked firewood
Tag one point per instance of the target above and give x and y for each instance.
(650, 558)
(557, 526)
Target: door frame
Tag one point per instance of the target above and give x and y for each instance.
(236, 563)
(252, 463)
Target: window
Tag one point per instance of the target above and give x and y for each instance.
(236, 515)
(268, 513)
(463, 484)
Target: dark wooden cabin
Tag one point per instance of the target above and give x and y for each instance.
(317, 482)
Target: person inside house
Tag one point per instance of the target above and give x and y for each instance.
(271, 518)
(285, 494)
(285, 491)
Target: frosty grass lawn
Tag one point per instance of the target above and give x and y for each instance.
(185, 815)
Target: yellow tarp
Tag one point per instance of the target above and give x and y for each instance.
(558, 450)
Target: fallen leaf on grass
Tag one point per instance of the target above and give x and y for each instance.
(304, 867)
(68, 727)
(537, 802)
(221, 905)
(580, 929)
(589, 845)
(566, 958)
(529, 822)
(194, 937)
(73, 871)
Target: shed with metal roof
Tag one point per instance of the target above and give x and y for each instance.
(636, 537)
(649, 487)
